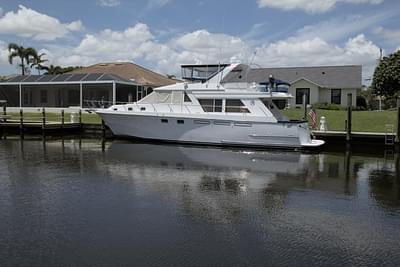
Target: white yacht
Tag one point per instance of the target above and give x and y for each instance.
(209, 109)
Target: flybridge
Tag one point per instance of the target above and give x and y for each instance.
(201, 73)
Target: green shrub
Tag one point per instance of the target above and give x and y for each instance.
(327, 106)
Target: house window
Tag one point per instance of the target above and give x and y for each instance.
(235, 105)
(43, 96)
(211, 105)
(299, 95)
(336, 95)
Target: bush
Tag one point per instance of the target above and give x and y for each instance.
(361, 103)
(327, 106)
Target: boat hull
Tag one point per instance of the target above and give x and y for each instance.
(209, 131)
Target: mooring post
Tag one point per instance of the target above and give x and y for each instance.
(21, 123)
(80, 118)
(62, 120)
(305, 106)
(103, 129)
(43, 122)
(5, 110)
(397, 140)
(349, 109)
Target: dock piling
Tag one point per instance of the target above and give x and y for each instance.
(103, 129)
(62, 121)
(349, 122)
(397, 140)
(21, 123)
(43, 123)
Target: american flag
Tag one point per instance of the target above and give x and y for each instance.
(313, 116)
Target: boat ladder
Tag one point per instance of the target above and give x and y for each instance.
(389, 134)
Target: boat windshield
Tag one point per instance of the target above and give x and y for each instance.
(200, 72)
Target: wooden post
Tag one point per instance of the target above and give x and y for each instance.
(349, 109)
(80, 118)
(103, 129)
(5, 110)
(62, 120)
(43, 123)
(397, 140)
(305, 106)
(21, 123)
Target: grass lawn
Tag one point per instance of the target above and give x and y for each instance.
(363, 121)
(56, 117)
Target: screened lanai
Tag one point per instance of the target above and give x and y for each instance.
(92, 90)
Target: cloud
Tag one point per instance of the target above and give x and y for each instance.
(3, 53)
(1, 11)
(318, 52)
(391, 36)
(310, 6)
(151, 4)
(108, 3)
(138, 43)
(337, 28)
(26, 22)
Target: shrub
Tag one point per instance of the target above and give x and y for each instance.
(327, 106)
(361, 103)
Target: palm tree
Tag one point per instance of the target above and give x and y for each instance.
(53, 69)
(37, 61)
(23, 53)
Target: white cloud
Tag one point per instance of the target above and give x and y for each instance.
(29, 23)
(391, 36)
(108, 3)
(157, 3)
(137, 43)
(310, 6)
(3, 53)
(1, 11)
(317, 52)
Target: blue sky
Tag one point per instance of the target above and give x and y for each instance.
(162, 34)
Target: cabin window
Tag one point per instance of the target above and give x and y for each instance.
(299, 95)
(129, 108)
(225, 123)
(142, 108)
(211, 105)
(336, 95)
(164, 120)
(242, 124)
(186, 98)
(180, 121)
(201, 122)
(235, 105)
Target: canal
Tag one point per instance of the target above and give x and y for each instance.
(87, 203)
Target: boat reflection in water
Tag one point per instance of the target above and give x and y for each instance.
(179, 205)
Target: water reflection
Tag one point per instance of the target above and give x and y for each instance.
(231, 206)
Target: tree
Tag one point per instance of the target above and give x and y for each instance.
(37, 61)
(53, 70)
(59, 70)
(386, 79)
(23, 53)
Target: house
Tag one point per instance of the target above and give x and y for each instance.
(148, 79)
(99, 85)
(325, 84)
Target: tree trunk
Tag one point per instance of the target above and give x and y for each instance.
(22, 66)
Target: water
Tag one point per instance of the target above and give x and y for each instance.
(81, 203)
